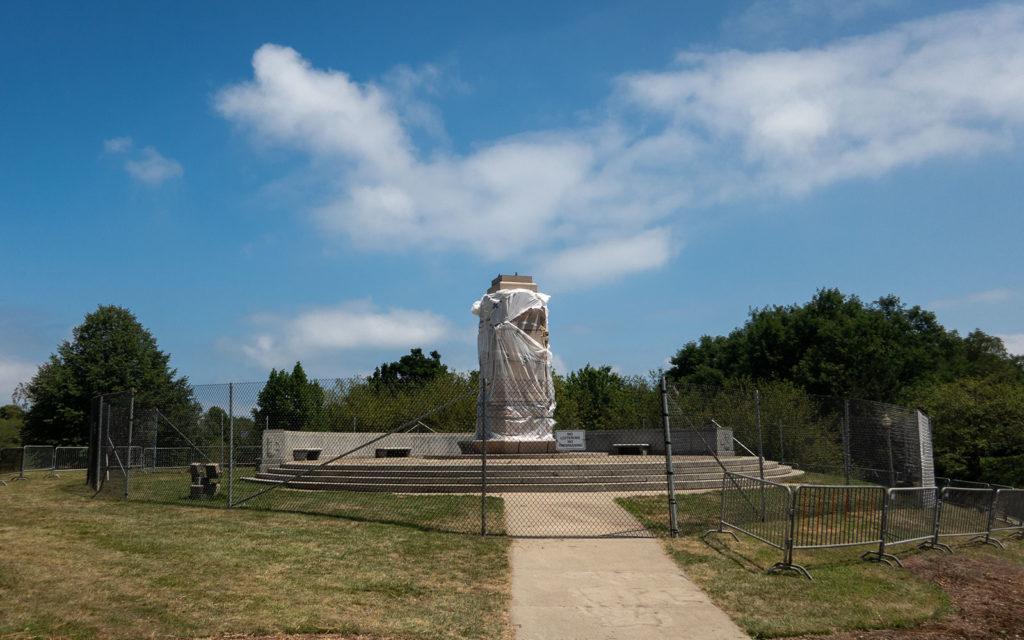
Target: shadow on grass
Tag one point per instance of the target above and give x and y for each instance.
(442, 513)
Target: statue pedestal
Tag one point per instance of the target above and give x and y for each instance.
(505, 447)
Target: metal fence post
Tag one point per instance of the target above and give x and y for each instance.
(846, 439)
(669, 470)
(887, 425)
(231, 447)
(934, 543)
(760, 434)
(105, 430)
(97, 454)
(483, 459)
(760, 449)
(156, 444)
(21, 471)
(881, 555)
(221, 443)
(991, 521)
(782, 446)
(128, 456)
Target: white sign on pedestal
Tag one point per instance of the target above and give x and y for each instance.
(570, 440)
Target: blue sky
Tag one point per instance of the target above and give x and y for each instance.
(336, 183)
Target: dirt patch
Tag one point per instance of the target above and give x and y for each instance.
(299, 636)
(987, 594)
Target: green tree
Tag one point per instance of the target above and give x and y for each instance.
(973, 418)
(109, 352)
(12, 418)
(290, 401)
(837, 345)
(412, 369)
(599, 398)
(208, 431)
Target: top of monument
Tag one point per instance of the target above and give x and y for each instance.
(504, 281)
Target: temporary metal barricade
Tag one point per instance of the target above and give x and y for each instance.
(12, 460)
(762, 510)
(38, 458)
(827, 517)
(70, 458)
(823, 516)
(964, 512)
(1008, 512)
(909, 516)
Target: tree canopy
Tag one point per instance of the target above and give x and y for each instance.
(837, 345)
(12, 418)
(975, 419)
(599, 398)
(109, 352)
(290, 401)
(411, 369)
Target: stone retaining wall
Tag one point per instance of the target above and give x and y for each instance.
(278, 444)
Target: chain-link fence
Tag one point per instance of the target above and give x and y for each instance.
(427, 453)
(857, 440)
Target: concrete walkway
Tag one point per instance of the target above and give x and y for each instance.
(604, 588)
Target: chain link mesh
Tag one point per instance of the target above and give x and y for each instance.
(407, 451)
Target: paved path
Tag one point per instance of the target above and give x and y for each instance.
(583, 513)
(602, 588)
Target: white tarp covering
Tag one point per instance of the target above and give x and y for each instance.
(517, 399)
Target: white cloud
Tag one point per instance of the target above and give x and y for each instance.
(990, 296)
(520, 195)
(13, 371)
(604, 262)
(324, 112)
(559, 365)
(117, 145)
(718, 127)
(796, 120)
(1014, 343)
(319, 334)
(153, 168)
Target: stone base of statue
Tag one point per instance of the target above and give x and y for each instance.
(508, 447)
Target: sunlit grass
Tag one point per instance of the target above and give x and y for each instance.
(82, 567)
(846, 593)
(434, 512)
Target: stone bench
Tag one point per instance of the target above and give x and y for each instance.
(306, 454)
(631, 449)
(392, 452)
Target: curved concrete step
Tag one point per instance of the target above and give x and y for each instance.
(610, 474)
(496, 488)
(338, 474)
(412, 465)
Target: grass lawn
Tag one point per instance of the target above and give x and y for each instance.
(451, 513)
(845, 594)
(814, 477)
(76, 566)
